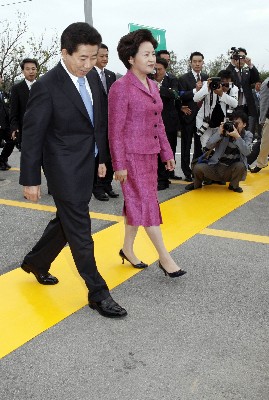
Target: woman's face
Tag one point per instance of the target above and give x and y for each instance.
(144, 60)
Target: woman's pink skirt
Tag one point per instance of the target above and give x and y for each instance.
(141, 206)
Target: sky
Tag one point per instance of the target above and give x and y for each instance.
(211, 27)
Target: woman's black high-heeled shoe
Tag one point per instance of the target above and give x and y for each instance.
(140, 265)
(180, 272)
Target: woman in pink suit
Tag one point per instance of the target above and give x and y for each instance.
(136, 136)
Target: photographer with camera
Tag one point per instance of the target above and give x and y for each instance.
(219, 96)
(244, 74)
(231, 144)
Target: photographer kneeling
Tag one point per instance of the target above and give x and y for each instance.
(231, 144)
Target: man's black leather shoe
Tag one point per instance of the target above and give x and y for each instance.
(255, 170)
(175, 177)
(108, 308)
(237, 190)
(4, 166)
(101, 197)
(188, 178)
(112, 194)
(43, 278)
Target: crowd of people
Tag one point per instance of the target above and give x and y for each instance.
(82, 127)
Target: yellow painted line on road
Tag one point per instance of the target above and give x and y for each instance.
(28, 308)
(43, 207)
(235, 235)
(14, 169)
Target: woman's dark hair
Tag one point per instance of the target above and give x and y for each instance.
(129, 44)
(79, 33)
(162, 61)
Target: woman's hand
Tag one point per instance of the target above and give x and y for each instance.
(170, 165)
(121, 175)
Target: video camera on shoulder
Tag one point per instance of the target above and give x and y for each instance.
(215, 83)
(234, 52)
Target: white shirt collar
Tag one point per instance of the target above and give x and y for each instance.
(75, 80)
(29, 83)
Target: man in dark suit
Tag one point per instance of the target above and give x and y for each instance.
(189, 84)
(62, 132)
(5, 129)
(168, 87)
(255, 126)
(19, 98)
(243, 78)
(102, 188)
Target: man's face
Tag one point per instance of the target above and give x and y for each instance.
(102, 58)
(29, 71)
(82, 60)
(197, 63)
(225, 84)
(258, 86)
(166, 57)
(160, 72)
(240, 125)
(241, 61)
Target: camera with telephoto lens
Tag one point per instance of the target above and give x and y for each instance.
(204, 126)
(235, 54)
(228, 126)
(215, 83)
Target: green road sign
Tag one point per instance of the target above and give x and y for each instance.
(159, 34)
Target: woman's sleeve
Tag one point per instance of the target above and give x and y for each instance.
(117, 116)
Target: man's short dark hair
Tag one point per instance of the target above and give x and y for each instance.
(158, 54)
(129, 44)
(28, 60)
(103, 46)
(196, 53)
(242, 115)
(225, 74)
(243, 50)
(79, 33)
(162, 61)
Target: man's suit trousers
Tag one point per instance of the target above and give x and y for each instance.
(188, 131)
(73, 225)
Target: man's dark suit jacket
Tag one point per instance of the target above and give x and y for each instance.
(18, 102)
(169, 113)
(249, 77)
(186, 84)
(110, 79)
(58, 135)
(4, 111)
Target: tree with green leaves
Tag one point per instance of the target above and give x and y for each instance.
(15, 46)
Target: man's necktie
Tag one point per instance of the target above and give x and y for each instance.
(86, 98)
(198, 78)
(87, 102)
(103, 79)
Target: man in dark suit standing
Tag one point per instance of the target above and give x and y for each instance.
(243, 78)
(189, 84)
(102, 188)
(62, 132)
(19, 98)
(5, 129)
(168, 87)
